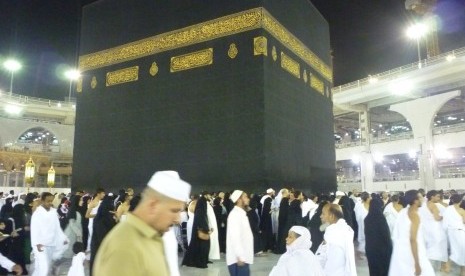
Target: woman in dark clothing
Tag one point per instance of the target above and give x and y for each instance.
(228, 203)
(18, 237)
(295, 211)
(63, 212)
(27, 223)
(254, 221)
(378, 239)
(221, 217)
(83, 203)
(314, 226)
(347, 206)
(283, 228)
(6, 210)
(197, 252)
(104, 221)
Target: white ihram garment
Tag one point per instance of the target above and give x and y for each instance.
(214, 253)
(453, 223)
(402, 262)
(360, 214)
(434, 234)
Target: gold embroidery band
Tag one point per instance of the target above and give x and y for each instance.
(317, 84)
(290, 65)
(192, 60)
(122, 76)
(220, 27)
(209, 30)
(287, 39)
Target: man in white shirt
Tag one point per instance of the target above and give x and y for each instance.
(47, 239)
(239, 237)
(10, 266)
(336, 253)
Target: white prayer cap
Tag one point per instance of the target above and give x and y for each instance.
(169, 184)
(235, 195)
(269, 191)
(339, 193)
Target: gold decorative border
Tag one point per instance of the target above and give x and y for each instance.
(287, 39)
(290, 65)
(192, 60)
(122, 76)
(317, 84)
(209, 30)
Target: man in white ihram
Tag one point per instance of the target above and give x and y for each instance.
(336, 253)
(47, 239)
(239, 237)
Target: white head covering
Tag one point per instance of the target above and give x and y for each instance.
(298, 259)
(339, 193)
(169, 184)
(235, 195)
(302, 242)
(269, 191)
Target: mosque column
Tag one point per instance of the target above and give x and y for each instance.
(367, 169)
(420, 114)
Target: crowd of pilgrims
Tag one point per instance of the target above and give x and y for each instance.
(87, 218)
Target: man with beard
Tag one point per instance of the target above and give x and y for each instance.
(409, 252)
(239, 237)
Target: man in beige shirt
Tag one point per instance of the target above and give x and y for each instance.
(135, 246)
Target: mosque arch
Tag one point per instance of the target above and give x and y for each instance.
(37, 139)
(386, 124)
(451, 115)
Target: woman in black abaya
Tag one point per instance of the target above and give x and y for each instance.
(197, 252)
(103, 222)
(314, 226)
(378, 239)
(283, 227)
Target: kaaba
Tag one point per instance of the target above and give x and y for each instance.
(231, 94)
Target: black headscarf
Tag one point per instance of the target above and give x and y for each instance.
(200, 216)
(378, 239)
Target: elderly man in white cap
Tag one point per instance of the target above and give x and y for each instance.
(135, 246)
(239, 237)
(266, 225)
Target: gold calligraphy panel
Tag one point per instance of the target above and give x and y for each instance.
(260, 46)
(317, 84)
(192, 60)
(290, 65)
(123, 76)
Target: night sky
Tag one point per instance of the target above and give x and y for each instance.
(367, 37)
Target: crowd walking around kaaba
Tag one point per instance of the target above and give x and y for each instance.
(411, 233)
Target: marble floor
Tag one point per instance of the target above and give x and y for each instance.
(261, 267)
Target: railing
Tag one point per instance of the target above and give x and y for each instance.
(37, 101)
(392, 137)
(451, 175)
(16, 179)
(348, 144)
(449, 129)
(388, 75)
(396, 177)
